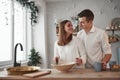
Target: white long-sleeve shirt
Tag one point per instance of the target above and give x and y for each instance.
(96, 44)
(71, 51)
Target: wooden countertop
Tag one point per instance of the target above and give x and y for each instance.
(73, 74)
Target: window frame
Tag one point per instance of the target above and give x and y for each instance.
(28, 36)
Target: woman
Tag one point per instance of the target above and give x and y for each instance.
(67, 47)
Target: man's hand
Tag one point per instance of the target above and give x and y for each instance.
(105, 60)
(104, 65)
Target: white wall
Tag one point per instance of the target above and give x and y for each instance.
(39, 33)
(104, 11)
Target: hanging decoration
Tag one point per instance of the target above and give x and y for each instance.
(34, 9)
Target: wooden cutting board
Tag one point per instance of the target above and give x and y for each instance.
(36, 74)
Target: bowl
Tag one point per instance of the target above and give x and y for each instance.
(64, 66)
(20, 70)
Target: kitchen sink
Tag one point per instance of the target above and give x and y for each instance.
(20, 70)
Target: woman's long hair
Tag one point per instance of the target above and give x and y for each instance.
(62, 37)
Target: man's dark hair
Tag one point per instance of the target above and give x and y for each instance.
(86, 13)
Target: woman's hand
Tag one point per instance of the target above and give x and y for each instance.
(78, 61)
(56, 60)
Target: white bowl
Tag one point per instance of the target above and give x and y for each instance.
(64, 66)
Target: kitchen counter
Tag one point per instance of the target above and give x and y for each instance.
(73, 74)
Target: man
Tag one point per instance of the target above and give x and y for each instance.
(95, 40)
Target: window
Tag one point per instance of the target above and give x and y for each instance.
(5, 31)
(13, 30)
(19, 30)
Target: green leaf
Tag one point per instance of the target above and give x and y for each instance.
(34, 58)
(33, 8)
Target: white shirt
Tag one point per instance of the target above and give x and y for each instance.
(71, 51)
(96, 44)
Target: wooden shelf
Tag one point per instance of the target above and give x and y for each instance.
(112, 29)
(113, 38)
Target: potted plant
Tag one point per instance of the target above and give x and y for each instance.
(34, 58)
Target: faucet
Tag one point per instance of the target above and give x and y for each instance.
(15, 62)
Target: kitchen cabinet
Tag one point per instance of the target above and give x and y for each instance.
(73, 74)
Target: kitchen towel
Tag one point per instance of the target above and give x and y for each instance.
(36, 74)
